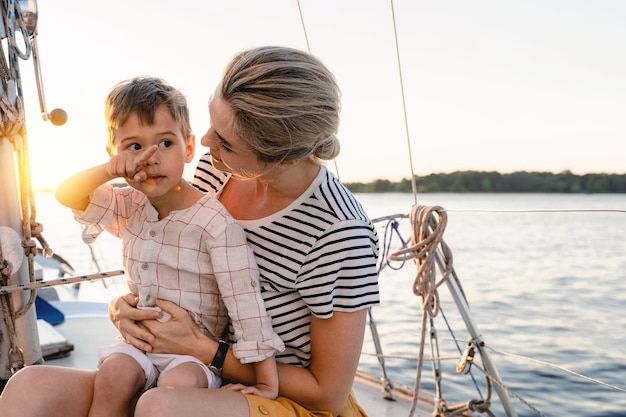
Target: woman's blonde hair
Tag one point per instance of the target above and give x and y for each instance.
(286, 104)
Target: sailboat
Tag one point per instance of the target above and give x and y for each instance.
(72, 339)
(23, 347)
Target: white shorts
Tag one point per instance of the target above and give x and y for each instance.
(155, 364)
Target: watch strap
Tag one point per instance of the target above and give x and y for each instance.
(218, 360)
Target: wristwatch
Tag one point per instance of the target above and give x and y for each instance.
(218, 360)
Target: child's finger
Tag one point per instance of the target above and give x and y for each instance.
(146, 155)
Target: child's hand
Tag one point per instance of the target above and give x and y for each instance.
(130, 165)
(261, 390)
(125, 316)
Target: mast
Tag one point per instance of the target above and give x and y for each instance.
(19, 337)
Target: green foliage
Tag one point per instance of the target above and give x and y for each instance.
(495, 182)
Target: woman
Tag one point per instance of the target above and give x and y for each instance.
(274, 118)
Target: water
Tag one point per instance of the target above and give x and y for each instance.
(545, 285)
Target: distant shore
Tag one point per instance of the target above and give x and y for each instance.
(495, 182)
(490, 182)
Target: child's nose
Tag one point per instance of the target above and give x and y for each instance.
(153, 160)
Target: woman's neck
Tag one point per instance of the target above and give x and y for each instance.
(268, 194)
(290, 181)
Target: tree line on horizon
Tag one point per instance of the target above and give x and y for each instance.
(495, 182)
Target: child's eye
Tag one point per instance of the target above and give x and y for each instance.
(165, 143)
(134, 147)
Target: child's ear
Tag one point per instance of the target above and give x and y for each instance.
(191, 148)
(110, 150)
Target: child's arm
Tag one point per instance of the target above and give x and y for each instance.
(74, 192)
(266, 380)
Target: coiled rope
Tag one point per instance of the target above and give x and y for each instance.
(429, 251)
(427, 224)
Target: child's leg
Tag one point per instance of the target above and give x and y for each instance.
(184, 371)
(118, 383)
(185, 375)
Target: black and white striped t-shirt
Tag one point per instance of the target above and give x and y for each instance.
(316, 256)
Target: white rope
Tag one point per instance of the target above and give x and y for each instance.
(60, 281)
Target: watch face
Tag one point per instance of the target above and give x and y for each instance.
(215, 370)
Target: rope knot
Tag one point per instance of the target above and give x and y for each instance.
(480, 406)
(12, 120)
(30, 247)
(6, 270)
(36, 228)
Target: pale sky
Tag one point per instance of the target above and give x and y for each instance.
(536, 85)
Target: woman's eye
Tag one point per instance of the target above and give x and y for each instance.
(224, 145)
(165, 144)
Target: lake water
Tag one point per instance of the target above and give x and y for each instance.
(548, 285)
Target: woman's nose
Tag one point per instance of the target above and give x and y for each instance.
(208, 139)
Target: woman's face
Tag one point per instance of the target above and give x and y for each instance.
(229, 152)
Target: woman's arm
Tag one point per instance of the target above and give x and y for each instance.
(335, 350)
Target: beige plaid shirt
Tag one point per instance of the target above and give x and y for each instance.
(197, 258)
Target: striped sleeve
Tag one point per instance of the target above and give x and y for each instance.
(339, 273)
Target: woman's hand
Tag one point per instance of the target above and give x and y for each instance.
(180, 335)
(126, 318)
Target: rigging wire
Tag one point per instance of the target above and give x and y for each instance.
(560, 368)
(406, 124)
(308, 48)
(306, 36)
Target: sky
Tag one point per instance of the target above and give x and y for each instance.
(535, 85)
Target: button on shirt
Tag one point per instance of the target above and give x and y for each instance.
(197, 258)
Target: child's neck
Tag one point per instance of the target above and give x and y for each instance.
(183, 196)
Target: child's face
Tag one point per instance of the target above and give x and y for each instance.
(164, 168)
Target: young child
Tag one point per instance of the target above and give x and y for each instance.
(179, 244)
